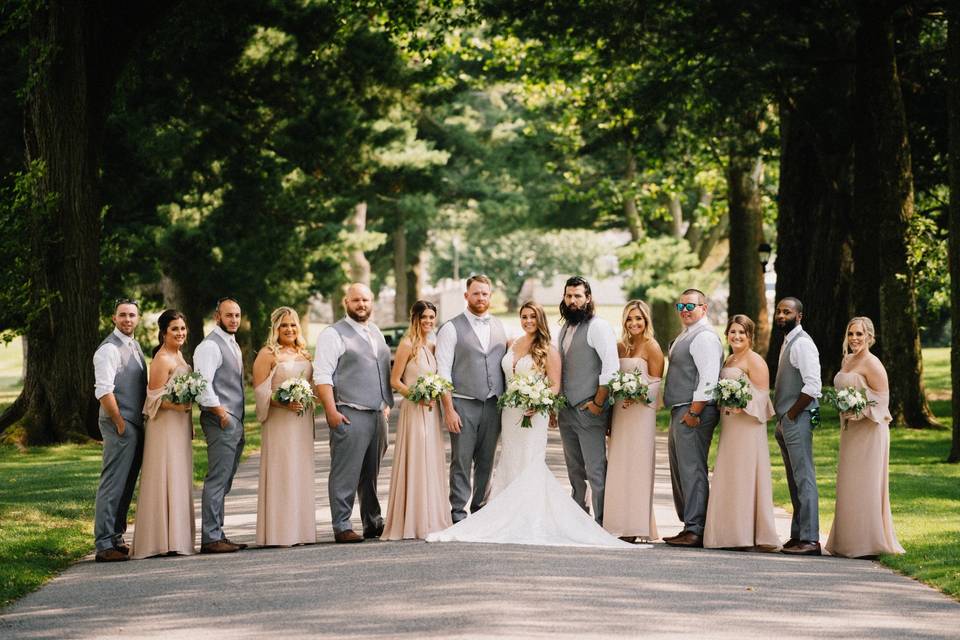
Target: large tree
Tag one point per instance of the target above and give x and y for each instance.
(953, 113)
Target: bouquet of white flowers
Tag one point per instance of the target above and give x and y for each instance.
(185, 388)
(732, 392)
(628, 385)
(848, 400)
(429, 387)
(295, 390)
(530, 392)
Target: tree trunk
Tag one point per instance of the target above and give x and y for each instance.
(359, 266)
(883, 189)
(666, 322)
(953, 114)
(815, 199)
(676, 215)
(747, 288)
(630, 212)
(401, 301)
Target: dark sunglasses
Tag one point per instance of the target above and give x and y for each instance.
(687, 306)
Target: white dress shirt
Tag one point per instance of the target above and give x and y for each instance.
(106, 361)
(707, 353)
(329, 349)
(207, 358)
(603, 340)
(447, 343)
(806, 358)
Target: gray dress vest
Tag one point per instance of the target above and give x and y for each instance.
(789, 383)
(476, 373)
(130, 382)
(228, 380)
(683, 377)
(580, 366)
(361, 378)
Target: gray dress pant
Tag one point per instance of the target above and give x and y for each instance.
(224, 447)
(473, 449)
(796, 446)
(356, 450)
(584, 438)
(688, 448)
(122, 457)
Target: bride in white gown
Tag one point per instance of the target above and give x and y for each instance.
(528, 505)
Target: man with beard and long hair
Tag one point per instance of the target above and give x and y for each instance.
(469, 350)
(351, 373)
(219, 360)
(588, 352)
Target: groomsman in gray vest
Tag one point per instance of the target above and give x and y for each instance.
(351, 372)
(588, 355)
(695, 358)
(120, 376)
(796, 391)
(219, 360)
(470, 348)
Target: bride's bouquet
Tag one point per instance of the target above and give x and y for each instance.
(628, 385)
(733, 392)
(428, 388)
(295, 390)
(185, 388)
(530, 391)
(848, 400)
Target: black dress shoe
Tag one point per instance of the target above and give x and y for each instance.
(803, 548)
(122, 547)
(372, 532)
(792, 542)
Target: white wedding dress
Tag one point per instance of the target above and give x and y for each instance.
(528, 505)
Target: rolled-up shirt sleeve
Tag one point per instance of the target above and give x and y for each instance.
(329, 349)
(707, 353)
(206, 360)
(600, 336)
(106, 361)
(446, 345)
(805, 356)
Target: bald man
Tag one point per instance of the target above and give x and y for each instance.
(351, 373)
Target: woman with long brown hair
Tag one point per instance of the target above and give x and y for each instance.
(418, 483)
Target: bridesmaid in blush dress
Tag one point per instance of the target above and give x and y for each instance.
(418, 483)
(631, 457)
(286, 513)
(862, 524)
(740, 511)
(165, 518)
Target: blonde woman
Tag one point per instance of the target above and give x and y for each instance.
(862, 523)
(529, 505)
(286, 513)
(418, 483)
(631, 455)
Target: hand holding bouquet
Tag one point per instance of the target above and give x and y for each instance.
(185, 388)
(629, 387)
(530, 392)
(428, 388)
(297, 393)
(849, 400)
(733, 393)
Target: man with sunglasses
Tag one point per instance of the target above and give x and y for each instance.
(695, 357)
(120, 374)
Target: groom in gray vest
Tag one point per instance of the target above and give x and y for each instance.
(120, 374)
(351, 373)
(470, 349)
(219, 360)
(797, 388)
(588, 356)
(695, 358)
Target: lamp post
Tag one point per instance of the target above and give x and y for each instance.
(764, 250)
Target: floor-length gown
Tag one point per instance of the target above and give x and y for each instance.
(631, 462)
(740, 511)
(286, 510)
(165, 516)
(530, 506)
(862, 522)
(418, 502)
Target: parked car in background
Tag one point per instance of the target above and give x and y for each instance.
(392, 334)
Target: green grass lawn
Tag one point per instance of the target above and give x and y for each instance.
(46, 506)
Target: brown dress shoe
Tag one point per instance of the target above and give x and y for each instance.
(803, 548)
(347, 536)
(111, 555)
(220, 546)
(792, 542)
(686, 539)
(239, 545)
